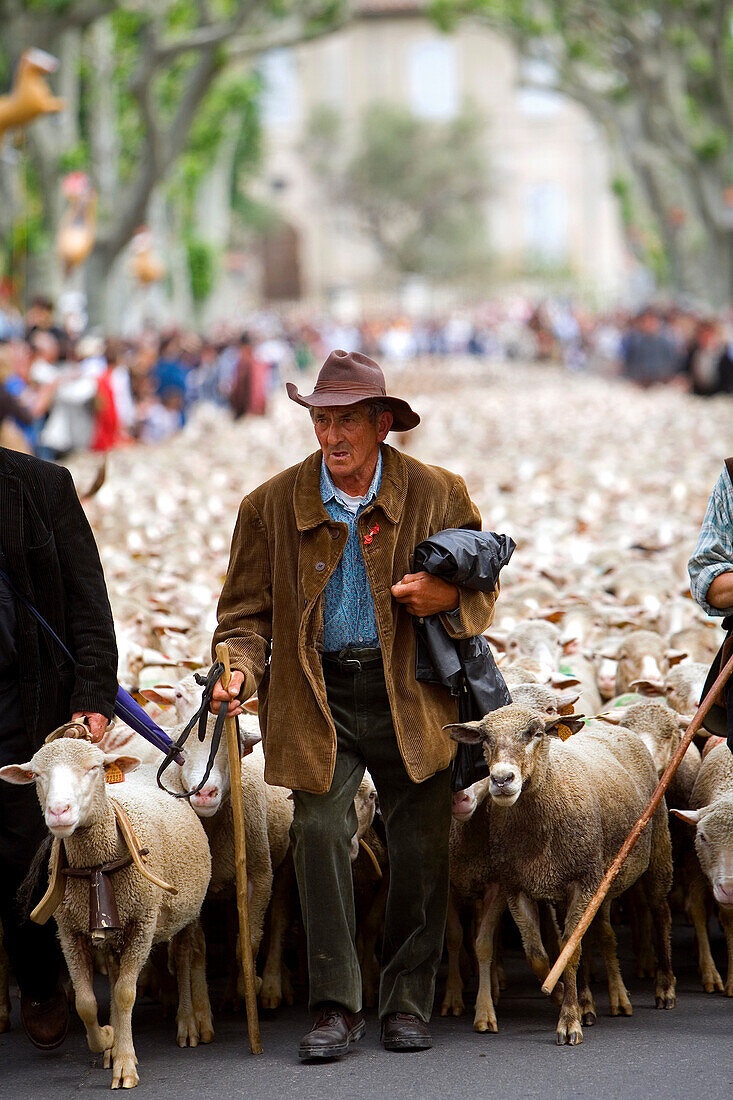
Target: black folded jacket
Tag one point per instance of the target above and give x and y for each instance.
(470, 559)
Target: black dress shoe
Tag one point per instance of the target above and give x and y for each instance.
(403, 1031)
(332, 1033)
(45, 1022)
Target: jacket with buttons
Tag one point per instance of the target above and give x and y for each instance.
(284, 549)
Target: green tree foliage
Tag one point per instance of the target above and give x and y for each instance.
(153, 87)
(657, 76)
(417, 187)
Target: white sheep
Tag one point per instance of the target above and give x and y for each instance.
(268, 813)
(70, 782)
(711, 814)
(559, 813)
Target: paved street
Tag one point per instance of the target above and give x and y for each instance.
(683, 1053)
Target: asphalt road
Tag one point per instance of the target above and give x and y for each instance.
(683, 1053)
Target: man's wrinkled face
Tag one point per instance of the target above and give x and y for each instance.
(348, 438)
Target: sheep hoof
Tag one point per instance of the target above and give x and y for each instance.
(124, 1075)
(570, 1036)
(729, 989)
(452, 1006)
(486, 1025)
(712, 982)
(188, 1034)
(588, 1019)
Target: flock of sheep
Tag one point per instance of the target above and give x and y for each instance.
(604, 653)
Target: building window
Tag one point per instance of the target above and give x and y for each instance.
(536, 96)
(546, 223)
(432, 75)
(279, 97)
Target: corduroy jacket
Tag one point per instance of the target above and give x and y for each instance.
(52, 560)
(284, 549)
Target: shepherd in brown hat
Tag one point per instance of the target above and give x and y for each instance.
(316, 611)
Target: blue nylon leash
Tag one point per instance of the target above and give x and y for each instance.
(126, 708)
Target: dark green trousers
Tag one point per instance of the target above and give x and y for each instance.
(417, 819)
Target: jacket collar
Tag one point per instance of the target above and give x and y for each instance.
(307, 503)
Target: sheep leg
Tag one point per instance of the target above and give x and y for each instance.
(498, 973)
(711, 979)
(526, 914)
(369, 932)
(138, 944)
(259, 891)
(186, 1030)
(113, 971)
(278, 918)
(726, 919)
(494, 905)
(259, 883)
(4, 988)
(617, 994)
(78, 954)
(588, 1015)
(665, 984)
(453, 999)
(199, 985)
(640, 919)
(569, 1029)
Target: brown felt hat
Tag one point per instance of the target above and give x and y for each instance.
(348, 377)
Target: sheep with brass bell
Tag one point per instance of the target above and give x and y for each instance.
(129, 868)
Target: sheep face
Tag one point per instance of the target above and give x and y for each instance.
(207, 801)
(537, 645)
(643, 662)
(656, 724)
(69, 778)
(465, 803)
(514, 744)
(714, 845)
(684, 687)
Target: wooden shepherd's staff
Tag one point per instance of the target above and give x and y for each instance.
(595, 903)
(240, 864)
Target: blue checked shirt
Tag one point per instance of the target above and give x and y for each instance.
(714, 551)
(348, 612)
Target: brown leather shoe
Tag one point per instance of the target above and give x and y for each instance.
(403, 1031)
(45, 1022)
(332, 1033)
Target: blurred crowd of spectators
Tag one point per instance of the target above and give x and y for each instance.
(60, 394)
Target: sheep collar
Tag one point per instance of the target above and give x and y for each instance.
(103, 915)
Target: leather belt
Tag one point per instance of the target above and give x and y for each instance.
(353, 658)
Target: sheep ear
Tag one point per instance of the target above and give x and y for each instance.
(646, 687)
(566, 699)
(251, 706)
(468, 733)
(17, 773)
(615, 716)
(554, 723)
(683, 721)
(675, 656)
(691, 817)
(564, 680)
(497, 638)
(249, 740)
(124, 763)
(162, 694)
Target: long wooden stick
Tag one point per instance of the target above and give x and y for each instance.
(595, 903)
(240, 865)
